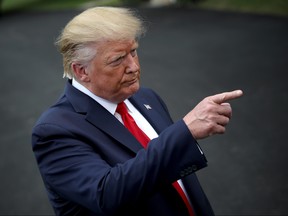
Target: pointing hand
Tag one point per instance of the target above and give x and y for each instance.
(211, 115)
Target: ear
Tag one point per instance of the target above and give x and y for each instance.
(80, 72)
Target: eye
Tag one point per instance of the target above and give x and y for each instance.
(117, 61)
(133, 52)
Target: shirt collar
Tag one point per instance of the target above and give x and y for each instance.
(108, 105)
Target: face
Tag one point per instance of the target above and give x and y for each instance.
(115, 71)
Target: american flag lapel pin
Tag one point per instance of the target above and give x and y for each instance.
(148, 107)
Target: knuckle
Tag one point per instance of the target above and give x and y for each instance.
(211, 126)
(221, 130)
(209, 107)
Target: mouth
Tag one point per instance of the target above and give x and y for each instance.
(133, 80)
(136, 79)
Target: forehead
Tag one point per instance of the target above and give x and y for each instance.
(111, 47)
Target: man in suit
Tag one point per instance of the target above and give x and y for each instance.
(90, 160)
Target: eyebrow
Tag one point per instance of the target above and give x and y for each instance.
(118, 54)
(135, 45)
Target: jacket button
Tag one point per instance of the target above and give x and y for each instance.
(194, 167)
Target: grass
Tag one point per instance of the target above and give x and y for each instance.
(44, 5)
(272, 7)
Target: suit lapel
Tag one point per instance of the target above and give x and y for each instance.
(150, 113)
(100, 117)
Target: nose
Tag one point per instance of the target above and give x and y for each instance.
(132, 64)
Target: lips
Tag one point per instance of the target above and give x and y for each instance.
(133, 80)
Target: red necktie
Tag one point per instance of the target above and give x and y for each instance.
(131, 125)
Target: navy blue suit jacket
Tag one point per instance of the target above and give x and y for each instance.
(92, 165)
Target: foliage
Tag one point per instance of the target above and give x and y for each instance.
(276, 7)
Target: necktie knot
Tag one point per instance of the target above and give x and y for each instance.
(121, 108)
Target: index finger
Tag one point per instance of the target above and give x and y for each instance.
(226, 96)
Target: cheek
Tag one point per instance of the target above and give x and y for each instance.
(112, 79)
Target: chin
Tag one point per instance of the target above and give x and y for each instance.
(133, 89)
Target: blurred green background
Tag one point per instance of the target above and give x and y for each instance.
(270, 7)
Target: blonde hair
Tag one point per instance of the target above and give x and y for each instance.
(78, 40)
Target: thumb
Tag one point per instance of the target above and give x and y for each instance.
(226, 96)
